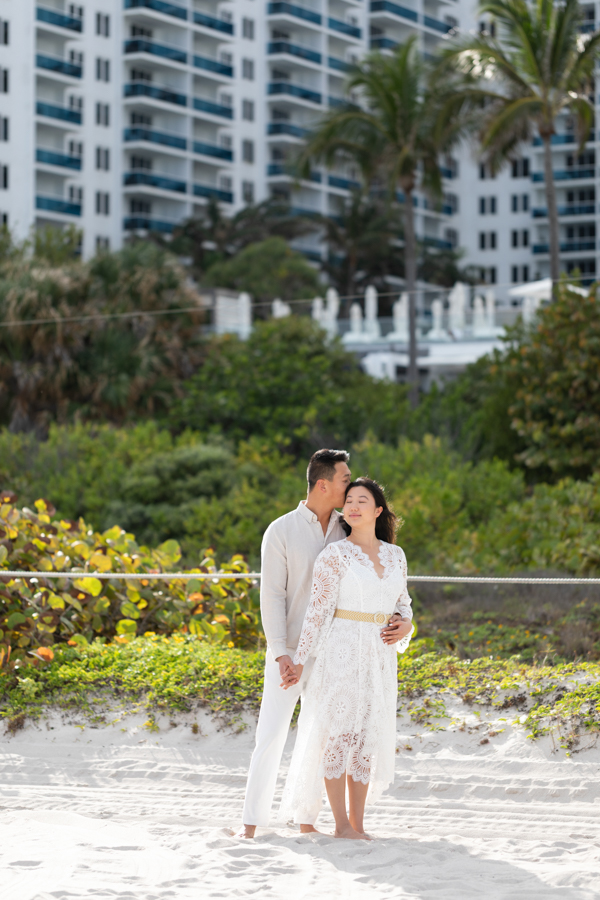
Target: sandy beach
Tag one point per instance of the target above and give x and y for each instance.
(122, 811)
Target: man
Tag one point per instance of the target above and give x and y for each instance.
(290, 547)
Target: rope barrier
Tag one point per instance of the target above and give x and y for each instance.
(172, 576)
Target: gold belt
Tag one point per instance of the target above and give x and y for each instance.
(378, 618)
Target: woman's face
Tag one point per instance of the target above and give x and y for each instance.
(360, 510)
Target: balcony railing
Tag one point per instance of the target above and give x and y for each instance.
(394, 8)
(294, 90)
(287, 128)
(290, 9)
(442, 27)
(561, 139)
(142, 89)
(336, 101)
(344, 28)
(346, 184)
(340, 64)
(52, 158)
(168, 9)
(281, 169)
(215, 109)
(212, 150)
(294, 50)
(565, 174)
(383, 43)
(58, 112)
(55, 204)
(213, 65)
(204, 190)
(157, 181)
(568, 247)
(154, 137)
(212, 22)
(141, 45)
(53, 17)
(585, 210)
(144, 223)
(54, 64)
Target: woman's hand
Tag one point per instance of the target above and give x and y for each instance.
(396, 629)
(292, 678)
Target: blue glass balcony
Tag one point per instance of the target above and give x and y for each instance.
(52, 158)
(212, 150)
(142, 89)
(561, 139)
(54, 64)
(58, 112)
(394, 9)
(294, 50)
(585, 210)
(287, 128)
(383, 43)
(336, 101)
(340, 64)
(290, 9)
(565, 174)
(347, 184)
(344, 28)
(143, 223)
(216, 109)
(203, 190)
(442, 27)
(53, 17)
(294, 90)
(141, 45)
(168, 9)
(212, 22)
(281, 169)
(55, 204)
(154, 137)
(157, 181)
(567, 247)
(438, 243)
(213, 65)
(447, 173)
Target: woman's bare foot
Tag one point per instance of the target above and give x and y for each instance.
(308, 829)
(350, 834)
(246, 832)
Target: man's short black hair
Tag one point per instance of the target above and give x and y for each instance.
(322, 465)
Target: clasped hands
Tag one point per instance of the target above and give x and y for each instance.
(395, 630)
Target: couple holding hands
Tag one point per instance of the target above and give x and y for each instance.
(335, 610)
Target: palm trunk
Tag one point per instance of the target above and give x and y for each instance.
(552, 214)
(410, 273)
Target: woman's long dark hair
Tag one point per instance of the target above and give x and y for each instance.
(387, 523)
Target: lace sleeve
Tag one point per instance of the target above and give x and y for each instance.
(323, 602)
(404, 603)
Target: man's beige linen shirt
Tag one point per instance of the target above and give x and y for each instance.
(290, 547)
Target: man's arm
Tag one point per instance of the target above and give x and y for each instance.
(273, 590)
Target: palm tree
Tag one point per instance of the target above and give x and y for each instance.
(396, 134)
(539, 66)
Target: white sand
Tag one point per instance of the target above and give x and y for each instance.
(122, 812)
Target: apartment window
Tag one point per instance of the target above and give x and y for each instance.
(4, 128)
(103, 158)
(4, 81)
(248, 69)
(75, 193)
(525, 202)
(140, 75)
(102, 114)
(102, 244)
(248, 191)
(248, 151)
(4, 32)
(248, 29)
(487, 205)
(248, 110)
(137, 118)
(4, 177)
(451, 201)
(102, 25)
(525, 274)
(487, 240)
(75, 11)
(586, 266)
(4, 220)
(140, 206)
(102, 69)
(581, 231)
(140, 162)
(76, 149)
(488, 276)
(102, 203)
(519, 238)
(140, 31)
(76, 103)
(520, 168)
(514, 274)
(514, 238)
(525, 238)
(451, 235)
(76, 57)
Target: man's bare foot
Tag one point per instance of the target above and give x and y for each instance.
(308, 829)
(350, 834)
(246, 832)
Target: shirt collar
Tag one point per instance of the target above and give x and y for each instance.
(311, 517)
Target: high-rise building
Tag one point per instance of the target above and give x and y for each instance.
(121, 116)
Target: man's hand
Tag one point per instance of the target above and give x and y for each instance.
(292, 678)
(286, 666)
(396, 629)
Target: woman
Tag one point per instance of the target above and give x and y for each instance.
(347, 727)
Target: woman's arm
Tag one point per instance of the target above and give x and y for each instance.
(403, 609)
(323, 602)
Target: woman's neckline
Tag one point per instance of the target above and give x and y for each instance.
(370, 563)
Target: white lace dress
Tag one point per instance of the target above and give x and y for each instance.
(348, 717)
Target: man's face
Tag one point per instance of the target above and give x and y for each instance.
(339, 483)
